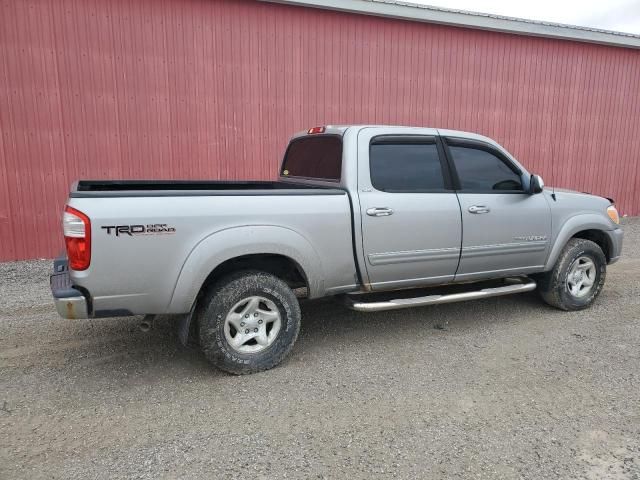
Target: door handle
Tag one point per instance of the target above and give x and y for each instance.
(379, 212)
(479, 209)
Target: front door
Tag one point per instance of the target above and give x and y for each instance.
(411, 226)
(506, 229)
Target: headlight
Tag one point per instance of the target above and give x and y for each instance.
(613, 214)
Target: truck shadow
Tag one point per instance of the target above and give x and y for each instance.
(118, 346)
(328, 320)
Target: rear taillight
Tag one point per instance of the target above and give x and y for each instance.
(77, 237)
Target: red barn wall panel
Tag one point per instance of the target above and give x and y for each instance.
(214, 88)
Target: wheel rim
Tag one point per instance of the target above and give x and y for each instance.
(581, 277)
(252, 324)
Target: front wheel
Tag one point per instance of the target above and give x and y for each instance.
(577, 277)
(248, 322)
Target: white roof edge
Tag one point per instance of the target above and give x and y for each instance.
(482, 21)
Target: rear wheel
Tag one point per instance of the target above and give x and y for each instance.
(577, 277)
(248, 322)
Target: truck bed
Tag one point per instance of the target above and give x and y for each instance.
(203, 224)
(155, 188)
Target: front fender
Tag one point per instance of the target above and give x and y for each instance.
(575, 224)
(234, 242)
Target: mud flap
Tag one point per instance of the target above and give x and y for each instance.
(184, 326)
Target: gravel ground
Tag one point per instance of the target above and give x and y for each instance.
(510, 389)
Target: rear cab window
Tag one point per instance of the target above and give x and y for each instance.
(315, 157)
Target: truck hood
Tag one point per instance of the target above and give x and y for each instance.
(569, 202)
(576, 194)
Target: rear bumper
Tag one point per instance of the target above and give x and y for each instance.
(70, 302)
(615, 237)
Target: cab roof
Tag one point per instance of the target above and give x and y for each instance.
(341, 130)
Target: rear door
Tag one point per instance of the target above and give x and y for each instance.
(506, 229)
(411, 225)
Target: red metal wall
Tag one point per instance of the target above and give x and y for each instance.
(213, 89)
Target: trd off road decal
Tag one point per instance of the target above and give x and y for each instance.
(131, 230)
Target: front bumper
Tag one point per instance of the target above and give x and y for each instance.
(70, 302)
(615, 238)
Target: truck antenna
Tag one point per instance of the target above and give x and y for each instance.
(553, 165)
(552, 141)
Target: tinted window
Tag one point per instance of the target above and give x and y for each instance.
(480, 170)
(410, 167)
(314, 157)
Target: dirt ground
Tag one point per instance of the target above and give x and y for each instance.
(510, 388)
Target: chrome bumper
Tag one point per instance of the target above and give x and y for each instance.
(70, 302)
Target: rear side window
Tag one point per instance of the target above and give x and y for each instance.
(314, 157)
(405, 167)
(482, 171)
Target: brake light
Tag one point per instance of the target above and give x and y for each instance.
(77, 238)
(313, 130)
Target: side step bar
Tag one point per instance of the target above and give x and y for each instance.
(526, 285)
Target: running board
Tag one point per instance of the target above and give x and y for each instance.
(527, 285)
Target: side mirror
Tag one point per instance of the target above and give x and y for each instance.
(535, 184)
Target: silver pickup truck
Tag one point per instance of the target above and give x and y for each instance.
(366, 213)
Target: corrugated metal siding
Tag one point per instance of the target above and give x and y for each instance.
(214, 88)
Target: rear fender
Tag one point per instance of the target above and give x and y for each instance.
(235, 242)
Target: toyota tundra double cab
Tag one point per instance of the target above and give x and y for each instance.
(365, 213)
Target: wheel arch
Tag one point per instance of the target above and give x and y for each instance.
(278, 265)
(587, 226)
(277, 250)
(598, 237)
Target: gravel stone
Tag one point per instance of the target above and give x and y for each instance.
(512, 389)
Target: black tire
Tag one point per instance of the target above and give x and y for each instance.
(553, 285)
(217, 303)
